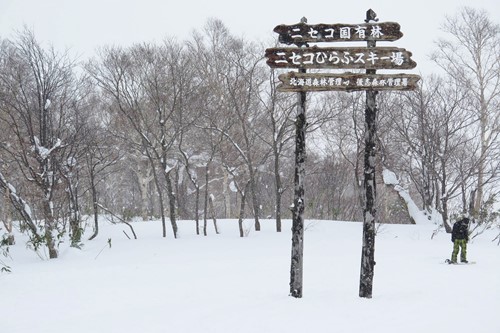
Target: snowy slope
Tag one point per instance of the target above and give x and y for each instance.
(222, 283)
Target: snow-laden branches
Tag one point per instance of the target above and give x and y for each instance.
(19, 204)
(44, 152)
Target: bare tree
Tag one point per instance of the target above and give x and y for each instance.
(118, 76)
(100, 153)
(149, 86)
(343, 137)
(190, 167)
(38, 95)
(471, 56)
(232, 70)
(434, 128)
(279, 136)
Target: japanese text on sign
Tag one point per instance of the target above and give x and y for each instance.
(294, 81)
(301, 32)
(358, 32)
(383, 57)
(339, 81)
(336, 58)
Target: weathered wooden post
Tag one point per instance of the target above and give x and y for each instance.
(297, 257)
(296, 267)
(370, 212)
(369, 58)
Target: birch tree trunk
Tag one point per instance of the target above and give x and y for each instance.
(74, 211)
(212, 212)
(205, 204)
(369, 212)
(197, 209)
(95, 208)
(227, 196)
(278, 193)
(171, 201)
(144, 177)
(255, 199)
(296, 267)
(50, 229)
(7, 219)
(242, 209)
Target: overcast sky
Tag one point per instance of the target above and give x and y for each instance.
(83, 25)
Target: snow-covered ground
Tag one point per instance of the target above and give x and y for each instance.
(223, 283)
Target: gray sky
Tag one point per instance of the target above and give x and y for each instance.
(83, 25)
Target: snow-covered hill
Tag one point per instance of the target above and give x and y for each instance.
(223, 283)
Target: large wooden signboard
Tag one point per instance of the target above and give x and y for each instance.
(341, 58)
(370, 59)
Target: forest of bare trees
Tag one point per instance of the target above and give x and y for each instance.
(195, 130)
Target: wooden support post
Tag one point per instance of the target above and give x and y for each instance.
(369, 212)
(296, 269)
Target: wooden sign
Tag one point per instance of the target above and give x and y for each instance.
(340, 57)
(303, 33)
(296, 82)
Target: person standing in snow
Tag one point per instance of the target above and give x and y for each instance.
(460, 237)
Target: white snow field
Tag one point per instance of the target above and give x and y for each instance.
(223, 283)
